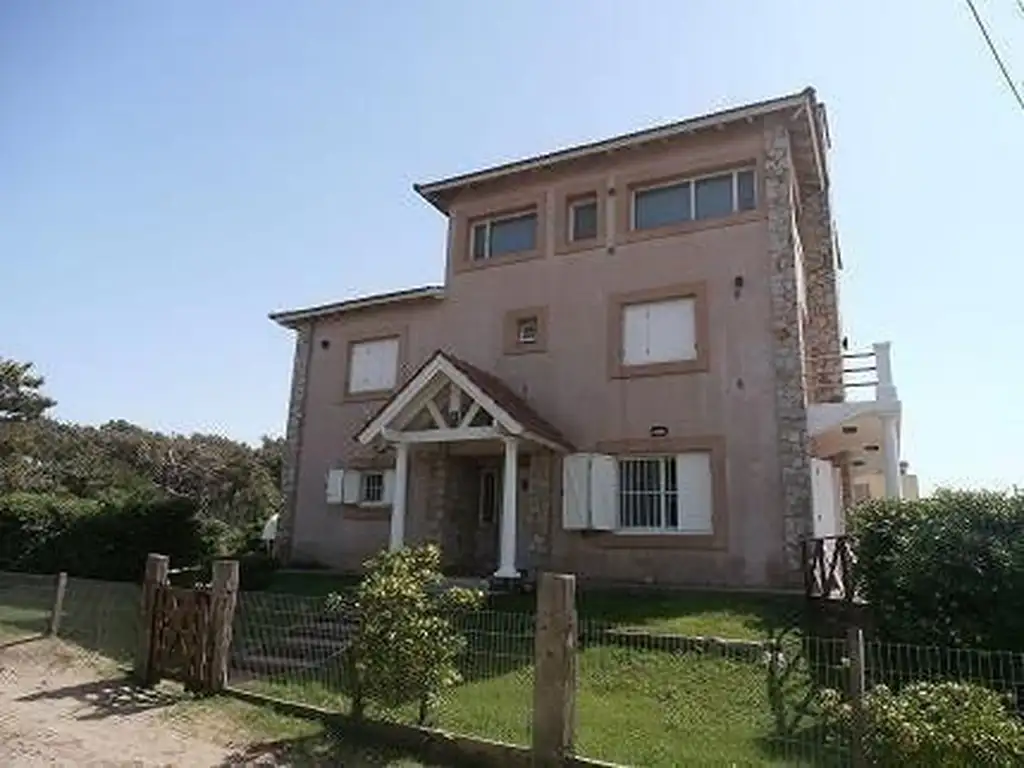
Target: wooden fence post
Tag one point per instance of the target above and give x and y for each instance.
(855, 651)
(222, 613)
(156, 576)
(554, 683)
(58, 604)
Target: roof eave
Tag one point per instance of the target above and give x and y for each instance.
(293, 318)
(435, 192)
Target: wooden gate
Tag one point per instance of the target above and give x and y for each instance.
(182, 640)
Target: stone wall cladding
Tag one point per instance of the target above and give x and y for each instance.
(823, 350)
(539, 507)
(787, 332)
(293, 443)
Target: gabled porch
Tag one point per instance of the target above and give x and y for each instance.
(475, 434)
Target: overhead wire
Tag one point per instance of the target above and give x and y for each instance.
(995, 53)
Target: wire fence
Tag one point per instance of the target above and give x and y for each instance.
(642, 698)
(97, 620)
(300, 649)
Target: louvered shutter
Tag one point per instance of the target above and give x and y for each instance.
(693, 474)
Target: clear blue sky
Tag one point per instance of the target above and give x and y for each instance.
(173, 171)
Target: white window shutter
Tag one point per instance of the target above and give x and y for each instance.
(575, 491)
(693, 473)
(604, 492)
(672, 330)
(634, 334)
(351, 487)
(335, 484)
(389, 486)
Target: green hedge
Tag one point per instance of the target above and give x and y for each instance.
(97, 539)
(947, 570)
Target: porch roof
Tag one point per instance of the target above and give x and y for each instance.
(489, 392)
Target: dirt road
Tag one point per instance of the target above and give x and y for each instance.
(57, 711)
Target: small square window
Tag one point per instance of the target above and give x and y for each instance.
(527, 330)
(583, 220)
(371, 490)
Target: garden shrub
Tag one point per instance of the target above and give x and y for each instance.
(931, 725)
(947, 570)
(110, 540)
(406, 646)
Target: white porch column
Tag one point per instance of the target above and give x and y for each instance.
(891, 458)
(509, 484)
(886, 388)
(397, 538)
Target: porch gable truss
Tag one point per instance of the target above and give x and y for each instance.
(442, 403)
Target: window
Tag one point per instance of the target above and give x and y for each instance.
(648, 493)
(373, 365)
(709, 197)
(583, 220)
(659, 331)
(665, 494)
(490, 496)
(371, 489)
(526, 330)
(496, 237)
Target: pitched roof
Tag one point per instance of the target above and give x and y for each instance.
(289, 318)
(513, 409)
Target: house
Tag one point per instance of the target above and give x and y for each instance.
(634, 370)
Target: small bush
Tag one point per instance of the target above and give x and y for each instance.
(405, 646)
(932, 725)
(947, 570)
(110, 540)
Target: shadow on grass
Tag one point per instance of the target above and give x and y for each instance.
(117, 696)
(327, 749)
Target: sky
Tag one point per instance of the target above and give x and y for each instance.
(172, 172)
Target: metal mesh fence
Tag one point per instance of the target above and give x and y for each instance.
(98, 619)
(300, 649)
(26, 601)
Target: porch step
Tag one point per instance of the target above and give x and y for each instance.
(268, 664)
(466, 582)
(320, 648)
(327, 629)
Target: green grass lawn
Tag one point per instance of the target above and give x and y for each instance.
(737, 615)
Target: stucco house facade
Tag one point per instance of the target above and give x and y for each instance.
(634, 370)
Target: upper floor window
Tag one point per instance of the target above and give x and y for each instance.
(583, 219)
(373, 365)
(507, 234)
(659, 332)
(707, 197)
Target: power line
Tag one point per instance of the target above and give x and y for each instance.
(995, 53)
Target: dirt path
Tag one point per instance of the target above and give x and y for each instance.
(56, 710)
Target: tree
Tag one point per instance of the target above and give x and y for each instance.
(21, 398)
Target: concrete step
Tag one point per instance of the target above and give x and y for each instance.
(267, 664)
(331, 629)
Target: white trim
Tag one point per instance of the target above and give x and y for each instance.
(408, 394)
(435, 414)
(471, 413)
(626, 141)
(442, 435)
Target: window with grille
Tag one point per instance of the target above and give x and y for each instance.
(371, 488)
(648, 493)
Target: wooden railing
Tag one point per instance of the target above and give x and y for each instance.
(828, 568)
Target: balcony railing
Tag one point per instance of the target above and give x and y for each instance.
(863, 375)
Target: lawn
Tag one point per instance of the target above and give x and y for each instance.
(635, 705)
(706, 613)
